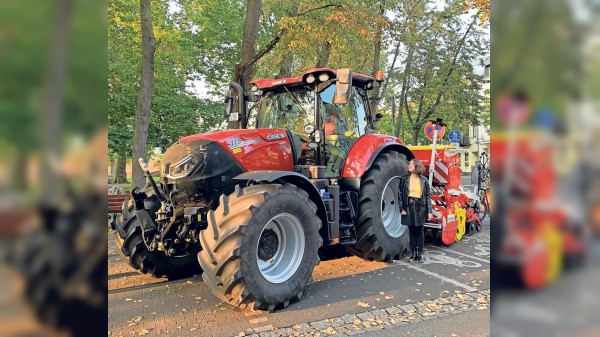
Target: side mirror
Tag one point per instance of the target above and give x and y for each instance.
(228, 106)
(343, 86)
(378, 116)
(237, 91)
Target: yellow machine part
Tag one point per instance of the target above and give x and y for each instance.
(461, 216)
(553, 241)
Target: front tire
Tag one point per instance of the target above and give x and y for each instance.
(260, 247)
(380, 233)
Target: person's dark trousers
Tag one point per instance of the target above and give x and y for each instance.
(417, 239)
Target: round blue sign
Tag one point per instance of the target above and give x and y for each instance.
(455, 136)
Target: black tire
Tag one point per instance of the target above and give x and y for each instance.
(478, 225)
(230, 246)
(374, 243)
(128, 236)
(60, 251)
(483, 210)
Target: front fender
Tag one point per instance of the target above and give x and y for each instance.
(293, 178)
(366, 149)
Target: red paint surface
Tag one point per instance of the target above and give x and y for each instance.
(259, 153)
(272, 82)
(451, 162)
(360, 153)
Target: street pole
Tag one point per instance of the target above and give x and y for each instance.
(432, 163)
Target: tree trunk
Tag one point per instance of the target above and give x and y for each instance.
(323, 57)
(404, 89)
(18, 177)
(142, 113)
(415, 136)
(120, 176)
(376, 97)
(112, 167)
(285, 70)
(244, 70)
(54, 88)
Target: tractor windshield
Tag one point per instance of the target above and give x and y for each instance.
(288, 109)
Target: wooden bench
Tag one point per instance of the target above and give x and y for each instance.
(115, 202)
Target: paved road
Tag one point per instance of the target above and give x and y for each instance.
(139, 304)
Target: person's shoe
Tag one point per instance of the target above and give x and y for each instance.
(419, 257)
(414, 254)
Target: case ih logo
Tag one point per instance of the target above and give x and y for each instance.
(236, 143)
(275, 136)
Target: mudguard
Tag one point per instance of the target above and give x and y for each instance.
(296, 179)
(365, 150)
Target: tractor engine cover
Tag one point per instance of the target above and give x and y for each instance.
(202, 167)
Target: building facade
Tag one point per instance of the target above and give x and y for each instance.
(478, 139)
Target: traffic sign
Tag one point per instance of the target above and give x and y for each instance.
(455, 136)
(513, 110)
(429, 131)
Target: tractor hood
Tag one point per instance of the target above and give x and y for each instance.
(201, 165)
(253, 149)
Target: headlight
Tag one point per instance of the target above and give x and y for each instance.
(185, 166)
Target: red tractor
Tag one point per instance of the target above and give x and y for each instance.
(254, 206)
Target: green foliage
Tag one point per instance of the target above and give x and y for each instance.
(201, 40)
(175, 111)
(435, 77)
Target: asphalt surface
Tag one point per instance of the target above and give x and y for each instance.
(142, 305)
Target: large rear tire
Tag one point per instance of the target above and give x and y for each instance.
(131, 247)
(380, 233)
(260, 247)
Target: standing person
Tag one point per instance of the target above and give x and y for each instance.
(416, 206)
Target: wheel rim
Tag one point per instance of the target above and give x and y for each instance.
(390, 210)
(280, 248)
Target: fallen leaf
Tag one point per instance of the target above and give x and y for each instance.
(381, 293)
(142, 332)
(389, 297)
(363, 304)
(419, 283)
(128, 299)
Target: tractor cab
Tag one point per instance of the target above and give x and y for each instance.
(323, 111)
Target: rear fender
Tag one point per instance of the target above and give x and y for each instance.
(366, 149)
(298, 180)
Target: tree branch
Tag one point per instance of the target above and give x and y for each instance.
(452, 66)
(263, 51)
(390, 72)
(318, 8)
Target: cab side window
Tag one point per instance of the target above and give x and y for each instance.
(342, 125)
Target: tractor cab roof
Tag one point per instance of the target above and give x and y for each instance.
(272, 83)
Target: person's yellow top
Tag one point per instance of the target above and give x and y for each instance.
(414, 187)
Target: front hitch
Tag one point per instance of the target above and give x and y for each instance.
(149, 228)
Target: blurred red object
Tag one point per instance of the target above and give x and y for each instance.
(538, 237)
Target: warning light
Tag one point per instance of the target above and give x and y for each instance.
(379, 75)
